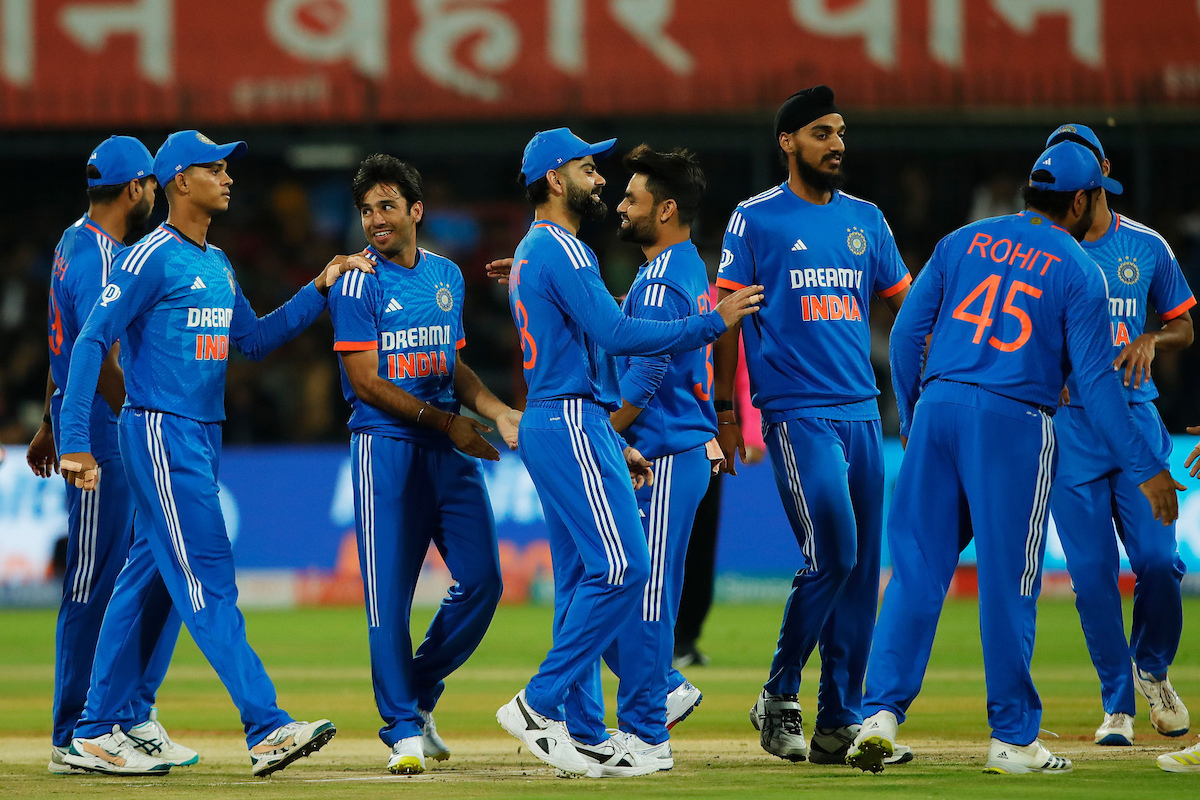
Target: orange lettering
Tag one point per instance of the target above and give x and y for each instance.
(407, 365)
(1008, 245)
(422, 364)
(819, 309)
(1121, 334)
(981, 240)
(1049, 260)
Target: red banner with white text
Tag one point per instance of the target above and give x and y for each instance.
(176, 62)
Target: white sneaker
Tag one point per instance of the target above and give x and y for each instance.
(1168, 714)
(1187, 760)
(875, 742)
(289, 742)
(901, 755)
(546, 738)
(613, 759)
(151, 738)
(780, 725)
(1116, 730)
(432, 745)
(634, 744)
(1014, 759)
(681, 702)
(407, 758)
(113, 754)
(59, 767)
(830, 745)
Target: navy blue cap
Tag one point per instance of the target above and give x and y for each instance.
(1072, 167)
(182, 149)
(119, 160)
(551, 149)
(1074, 132)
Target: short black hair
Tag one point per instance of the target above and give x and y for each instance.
(99, 195)
(381, 168)
(674, 175)
(1051, 203)
(537, 192)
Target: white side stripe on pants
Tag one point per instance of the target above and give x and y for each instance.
(166, 498)
(807, 547)
(1041, 505)
(593, 488)
(656, 538)
(85, 566)
(366, 499)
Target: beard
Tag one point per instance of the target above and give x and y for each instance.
(1080, 229)
(584, 203)
(821, 181)
(138, 216)
(640, 232)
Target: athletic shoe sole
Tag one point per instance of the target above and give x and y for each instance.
(320, 738)
(872, 752)
(408, 765)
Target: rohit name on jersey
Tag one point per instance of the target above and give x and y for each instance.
(828, 306)
(422, 362)
(211, 347)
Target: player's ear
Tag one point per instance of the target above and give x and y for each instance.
(557, 185)
(666, 210)
(786, 144)
(416, 211)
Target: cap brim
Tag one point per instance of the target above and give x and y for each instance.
(599, 149)
(231, 151)
(1111, 186)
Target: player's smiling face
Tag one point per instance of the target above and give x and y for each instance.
(208, 185)
(638, 212)
(388, 221)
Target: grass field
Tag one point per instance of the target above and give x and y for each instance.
(318, 659)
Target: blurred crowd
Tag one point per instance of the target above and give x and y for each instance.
(284, 224)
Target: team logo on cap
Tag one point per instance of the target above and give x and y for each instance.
(204, 139)
(856, 241)
(1067, 129)
(445, 300)
(1128, 272)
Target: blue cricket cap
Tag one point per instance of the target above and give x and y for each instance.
(1071, 167)
(182, 149)
(1082, 134)
(119, 160)
(551, 149)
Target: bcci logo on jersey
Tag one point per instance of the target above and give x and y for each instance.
(445, 300)
(856, 241)
(1128, 272)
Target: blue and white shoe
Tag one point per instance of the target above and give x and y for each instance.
(1115, 731)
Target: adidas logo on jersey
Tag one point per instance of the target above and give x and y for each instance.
(198, 284)
(799, 245)
(393, 305)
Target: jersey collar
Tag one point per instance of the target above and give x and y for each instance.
(92, 225)
(382, 259)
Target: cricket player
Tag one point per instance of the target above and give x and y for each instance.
(570, 330)
(666, 413)
(173, 301)
(121, 186)
(821, 254)
(1013, 305)
(415, 460)
(1091, 492)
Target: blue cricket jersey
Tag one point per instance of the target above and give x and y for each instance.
(82, 261)
(1015, 305)
(176, 307)
(570, 327)
(413, 317)
(809, 347)
(1138, 265)
(674, 392)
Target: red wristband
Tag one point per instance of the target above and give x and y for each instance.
(449, 422)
